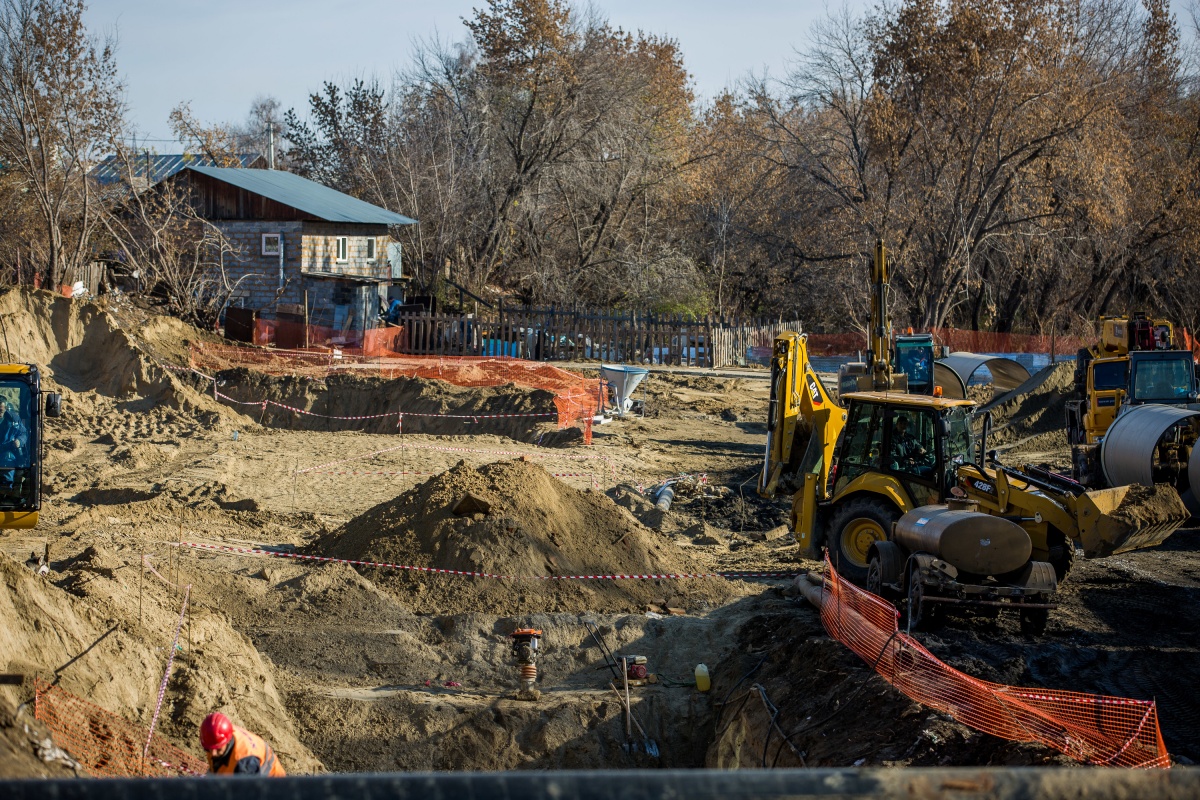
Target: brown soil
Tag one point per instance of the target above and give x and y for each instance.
(674, 396)
(362, 669)
(1033, 416)
(1150, 506)
(346, 395)
(534, 525)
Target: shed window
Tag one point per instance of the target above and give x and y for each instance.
(343, 248)
(371, 250)
(271, 243)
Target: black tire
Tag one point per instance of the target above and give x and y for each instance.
(850, 527)
(1062, 554)
(918, 609)
(884, 569)
(1034, 620)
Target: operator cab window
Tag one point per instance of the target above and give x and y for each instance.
(1162, 380)
(912, 442)
(17, 481)
(862, 447)
(913, 361)
(1110, 375)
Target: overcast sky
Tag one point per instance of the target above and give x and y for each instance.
(220, 54)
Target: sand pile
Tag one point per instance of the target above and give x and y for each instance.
(1033, 416)
(84, 351)
(519, 521)
(82, 621)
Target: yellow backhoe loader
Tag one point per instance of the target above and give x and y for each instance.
(860, 466)
(22, 407)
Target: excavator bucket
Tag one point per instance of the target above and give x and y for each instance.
(1127, 518)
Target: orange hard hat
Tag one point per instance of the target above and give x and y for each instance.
(215, 731)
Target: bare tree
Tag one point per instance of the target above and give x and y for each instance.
(176, 252)
(60, 104)
(218, 143)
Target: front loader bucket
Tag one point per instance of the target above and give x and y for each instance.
(1127, 518)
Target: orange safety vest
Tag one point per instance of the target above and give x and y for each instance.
(245, 745)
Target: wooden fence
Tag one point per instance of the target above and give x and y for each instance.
(553, 335)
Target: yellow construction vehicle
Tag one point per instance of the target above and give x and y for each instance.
(859, 467)
(1134, 417)
(22, 405)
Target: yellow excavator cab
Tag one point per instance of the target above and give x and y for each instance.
(22, 407)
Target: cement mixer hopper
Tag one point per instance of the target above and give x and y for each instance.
(623, 380)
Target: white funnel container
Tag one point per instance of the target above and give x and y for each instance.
(623, 381)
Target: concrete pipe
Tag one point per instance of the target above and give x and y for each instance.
(971, 541)
(1127, 453)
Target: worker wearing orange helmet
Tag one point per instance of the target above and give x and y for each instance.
(235, 751)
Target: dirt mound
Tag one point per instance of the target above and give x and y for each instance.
(169, 339)
(682, 396)
(518, 412)
(836, 711)
(1036, 408)
(1148, 505)
(524, 523)
(85, 351)
(78, 623)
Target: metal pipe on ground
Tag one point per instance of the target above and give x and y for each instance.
(663, 498)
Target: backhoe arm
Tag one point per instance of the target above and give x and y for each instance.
(803, 421)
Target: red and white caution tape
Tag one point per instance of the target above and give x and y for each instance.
(162, 687)
(251, 551)
(588, 475)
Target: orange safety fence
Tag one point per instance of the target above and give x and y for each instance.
(107, 745)
(957, 339)
(1093, 729)
(287, 335)
(576, 397)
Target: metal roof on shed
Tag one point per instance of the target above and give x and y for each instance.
(305, 195)
(154, 168)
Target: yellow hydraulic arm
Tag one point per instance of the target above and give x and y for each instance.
(803, 421)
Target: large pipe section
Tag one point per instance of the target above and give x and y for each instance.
(1128, 450)
(1007, 374)
(973, 542)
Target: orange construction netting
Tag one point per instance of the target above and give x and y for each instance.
(105, 744)
(576, 398)
(957, 339)
(1093, 729)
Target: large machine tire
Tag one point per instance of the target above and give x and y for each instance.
(853, 528)
(884, 568)
(1062, 554)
